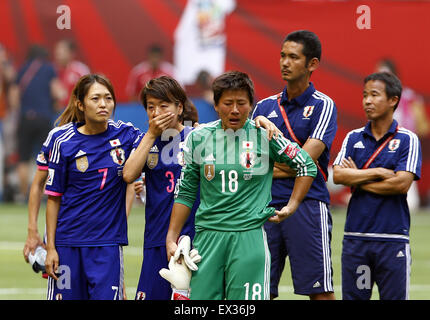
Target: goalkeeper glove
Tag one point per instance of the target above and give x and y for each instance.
(179, 277)
(192, 257)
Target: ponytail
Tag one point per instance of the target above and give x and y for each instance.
(72, 112)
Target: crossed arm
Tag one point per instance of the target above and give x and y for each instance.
(379, 180)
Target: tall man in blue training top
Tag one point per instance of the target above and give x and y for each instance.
(308, 117)
(379, 161)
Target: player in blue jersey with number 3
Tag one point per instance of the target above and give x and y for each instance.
(160, 157)
(86, 220)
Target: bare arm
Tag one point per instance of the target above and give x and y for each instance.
(134, 164)
(35, 196)
(180, 214)
(129, 198)
(270, 127)
(349, 175)
(58, 93)
(14, 97)
(314, 148)
(301, 188)
(281, 170)
(419, 112)
(52, 259)
(398, 184)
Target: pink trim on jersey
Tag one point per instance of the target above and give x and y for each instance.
(52, 193)
(42, 168)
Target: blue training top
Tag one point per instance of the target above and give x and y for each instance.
(380, 217)
(36, 98)
(311, 115)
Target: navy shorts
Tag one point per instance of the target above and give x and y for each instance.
(305, 238)
(88, 273)
(151, 285)
(385, 263)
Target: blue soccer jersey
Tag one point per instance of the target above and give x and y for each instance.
(86, 171)
(162, 171)
(43, 156)
(311, 115)
(380, 217)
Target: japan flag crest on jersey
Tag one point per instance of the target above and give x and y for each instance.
(394, 144)
(118, 156)
(307, 111)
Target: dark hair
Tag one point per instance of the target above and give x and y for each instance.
(72, 112)
(233, 80)
(37, 51)
(155, 48)
(393, 86)
(310, 41)
(167, 89)
(390, 64)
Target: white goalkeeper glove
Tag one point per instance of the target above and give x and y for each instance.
(179, 277)
(192, 257)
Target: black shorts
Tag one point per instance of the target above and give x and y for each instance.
(31, 133)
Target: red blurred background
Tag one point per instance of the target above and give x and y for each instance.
(113, 36)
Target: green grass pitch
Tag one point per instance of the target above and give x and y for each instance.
(18, 281)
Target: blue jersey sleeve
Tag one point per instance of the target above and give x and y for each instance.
(57, 177)
(345, 150)
(410, 155)
(42, 158)
(257, 111)
(324, 121)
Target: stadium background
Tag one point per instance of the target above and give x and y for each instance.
(113, 36)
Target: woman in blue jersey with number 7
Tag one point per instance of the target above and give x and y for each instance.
(86, 220)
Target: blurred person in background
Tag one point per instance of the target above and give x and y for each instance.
(68, 68)
(36, 89)
(155, 66)
(203, 97)
(7, 77)
(410, 114)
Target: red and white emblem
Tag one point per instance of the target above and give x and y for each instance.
(115, 143)
(307, 111)
(141, 295)
(118, 156)
(394, 144)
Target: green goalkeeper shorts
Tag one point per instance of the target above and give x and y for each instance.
(235, 266)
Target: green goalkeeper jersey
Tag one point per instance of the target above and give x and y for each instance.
(234, 171)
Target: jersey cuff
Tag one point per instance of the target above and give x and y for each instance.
(42, 168)
(53, 193)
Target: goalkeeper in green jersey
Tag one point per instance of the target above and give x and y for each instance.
(231, 161)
